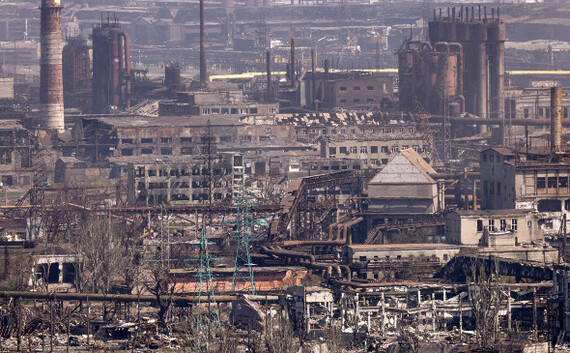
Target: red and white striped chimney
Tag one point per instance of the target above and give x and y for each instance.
(51, 78)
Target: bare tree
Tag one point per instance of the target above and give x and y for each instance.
(485, 301)
(101, 253)
(279, 336)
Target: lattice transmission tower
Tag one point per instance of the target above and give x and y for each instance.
(243, 280)
(209, 320)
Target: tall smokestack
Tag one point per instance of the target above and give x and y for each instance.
(203, 73)
(51, 77)
(314, 78)
(269, 87)
(556, 120)
(292, 43)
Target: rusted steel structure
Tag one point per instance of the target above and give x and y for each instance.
(111, 68)
(431, 77)
(483, 42)
(172, 77)
(51, 78)
(76, 73)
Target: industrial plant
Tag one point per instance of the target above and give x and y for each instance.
(284, 176)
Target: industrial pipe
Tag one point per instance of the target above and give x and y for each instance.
(131, 298)
(348, 225)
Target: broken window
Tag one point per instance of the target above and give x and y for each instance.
(343, 150)
(332, 151)
(549, 205)
(146, 150)
(540, 182)
(165, 151)
(503, 223)
(186, 150)
(552, 182)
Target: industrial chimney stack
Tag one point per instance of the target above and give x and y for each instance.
(203, 69)
(51, 78)
(556, 121)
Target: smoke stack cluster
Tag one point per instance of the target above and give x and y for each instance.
(51, 77)
(556, 120)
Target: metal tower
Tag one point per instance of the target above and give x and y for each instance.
(243, 272)
(210, 320)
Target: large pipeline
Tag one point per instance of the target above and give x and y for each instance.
(479, 121)
(309, 261)
(128, 298)
(51, 75)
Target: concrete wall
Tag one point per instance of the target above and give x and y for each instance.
(403, 198)
(466, 230)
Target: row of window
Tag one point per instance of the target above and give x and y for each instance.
(163, 198)
(368, 88)
(182, 172)
(502, 225)
(545, 112)
(357, 100)
(204, 139)
(398, 257)
(373, 130)
(552, 182)
(489, 188)
(491, 158)
(374, 149)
